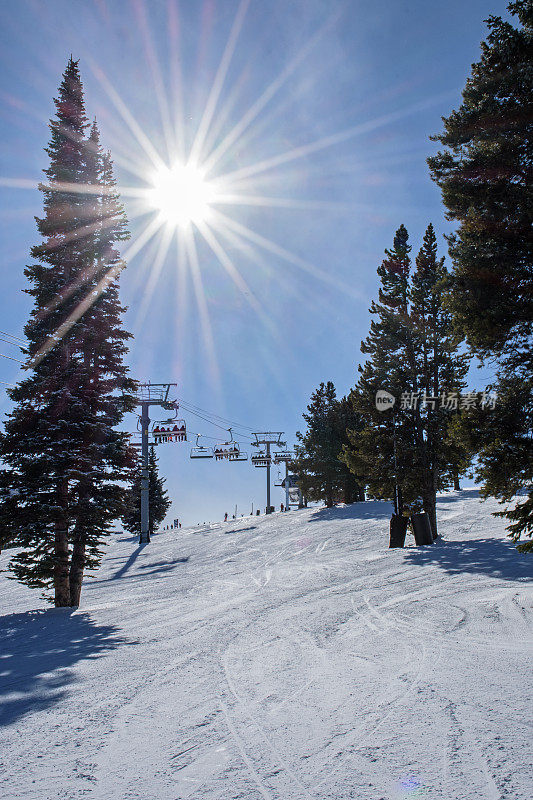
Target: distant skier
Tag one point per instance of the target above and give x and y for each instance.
(226, 517)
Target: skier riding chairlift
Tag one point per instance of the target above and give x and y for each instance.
(228, 449)
(179, 434)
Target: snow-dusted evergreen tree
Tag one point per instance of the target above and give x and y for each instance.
(371, 447)
(321, 473)
(484, 172)
(413, 354)
(441, 370)
(63, 454)
(159, 501)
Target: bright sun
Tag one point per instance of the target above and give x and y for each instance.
(181, 195)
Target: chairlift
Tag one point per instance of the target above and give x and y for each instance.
(240, 456)
(282, 456)
(261, 460)
(198, 451)
(165, 432)
(229, 450)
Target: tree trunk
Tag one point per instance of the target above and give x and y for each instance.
(430, 507)
(348, 495)
(79, 545)
(456, 484)
(61, 576)
(77, 567)
(61, 554)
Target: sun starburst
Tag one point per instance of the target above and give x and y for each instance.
(185, 188)
(181, 195)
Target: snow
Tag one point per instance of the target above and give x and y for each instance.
(284, 658)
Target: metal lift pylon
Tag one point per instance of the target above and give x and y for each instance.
(149, 394)
(266, 439)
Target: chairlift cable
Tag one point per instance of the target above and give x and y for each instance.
(12, 359)
(205, 436)
(205, 419)
(189, 433)
(215, 416)
(210, 421)
(4, 333)
(8, 341)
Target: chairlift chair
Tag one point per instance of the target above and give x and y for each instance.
(261, 460)
(229, 450)
(166, 432)
(239, 456)
(198, 451)
(283, 455)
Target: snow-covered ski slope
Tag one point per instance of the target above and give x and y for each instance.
(286, 658)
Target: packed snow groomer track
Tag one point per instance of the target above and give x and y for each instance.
(286, 657)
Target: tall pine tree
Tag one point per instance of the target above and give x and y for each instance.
(321, 473)
(63, 454)
(413, 354)
(484, 172)
(441, 372)
(371, 449)
(159, 501)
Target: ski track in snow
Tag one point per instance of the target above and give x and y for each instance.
(292, 657)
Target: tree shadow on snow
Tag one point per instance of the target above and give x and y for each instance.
(242, 530)
(162, 566)
(370, 509)
(38, 649)
(129, 563)
(151, 567)
(495, 557)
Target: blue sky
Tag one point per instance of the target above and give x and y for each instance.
(348, 95)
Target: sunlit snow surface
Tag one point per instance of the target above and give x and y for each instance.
(287, 658)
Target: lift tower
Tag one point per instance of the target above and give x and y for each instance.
(149, 394)
(266, 439)
(285, 456)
